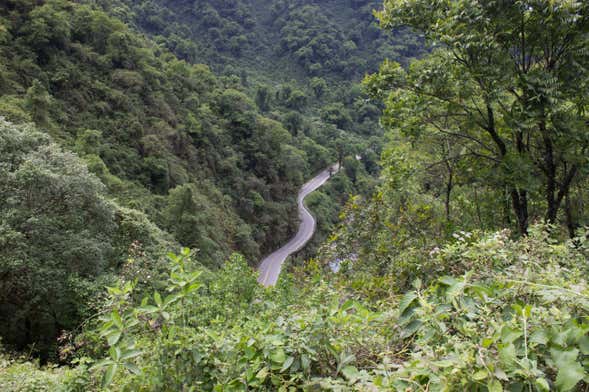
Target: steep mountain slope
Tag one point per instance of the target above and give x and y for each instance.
(200, 160)
(166, 138)
(157, 130)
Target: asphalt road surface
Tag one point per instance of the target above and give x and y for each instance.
(270, 266)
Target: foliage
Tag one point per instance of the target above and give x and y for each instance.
(60, 238)
(145, 122)
(501, 103)
(484, 313)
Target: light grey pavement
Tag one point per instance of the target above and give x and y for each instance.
(271, 265)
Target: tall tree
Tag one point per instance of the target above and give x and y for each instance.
(511, 76)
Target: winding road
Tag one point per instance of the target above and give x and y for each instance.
(271, 265)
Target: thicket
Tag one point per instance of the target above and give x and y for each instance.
(485, 313)
(61, 239)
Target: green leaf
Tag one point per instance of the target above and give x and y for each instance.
(132, 367)
(130, 354)
(157, 298)
(170, 299)
(584, 345)
(109, 375)
(406, 301)
(447, 280)
(115, 353)
(507, 355)
(287, 363)
(540, 337)
(193, 287)
(278, 356)
(494, 386)
(114, 338)
(510, 335)
(542, 385)
(305, 362)
(480, 375)
(411, 328)
(487, 342)
(147, 309)
(351, 374)
(116, 318)
(570, 371)
(347, 305)
(261, 375)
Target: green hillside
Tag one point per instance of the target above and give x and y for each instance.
(151, 153)
(211, 161)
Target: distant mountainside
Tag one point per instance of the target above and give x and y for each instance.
(337, 39)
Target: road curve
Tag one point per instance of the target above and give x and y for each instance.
(270, 267)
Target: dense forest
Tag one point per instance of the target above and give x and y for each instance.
(151, 153)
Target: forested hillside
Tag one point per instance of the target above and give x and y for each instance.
(173, 153)
(151, 153)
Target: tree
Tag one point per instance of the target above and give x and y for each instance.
(512, 78)
(319, 87)
(263, 98)
(56, 237)
(38, 102)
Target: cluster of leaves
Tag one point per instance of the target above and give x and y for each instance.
(497, 314)
(499, 109)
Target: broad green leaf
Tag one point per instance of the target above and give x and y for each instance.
(278, 356)
(132, 367)
(570, 371)
(494, 386)
(261, 375)
(193, 287)
(157, 298)
(114, 337)
(305, 362)
(406, 301)
(130, 354)
(351, 374)
(542, 385)
(507, 355)
(480, 375)
(539, 337)
(250, 352)
(347, 305)
(584, 345)
(109, 375)
(510, 335)
(287, 363)
(147, 309)
(487, 342)
(115, 353)
(116, 318)
(411, 328)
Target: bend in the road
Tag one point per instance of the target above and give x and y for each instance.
(270, 267)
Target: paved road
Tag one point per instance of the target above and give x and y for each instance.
(269, 268)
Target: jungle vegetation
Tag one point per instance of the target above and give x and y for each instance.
(150, 153)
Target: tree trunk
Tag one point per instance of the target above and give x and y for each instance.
(570, 220)
(519, 200)
(478, 207)
(506, 208)
(449, 187)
